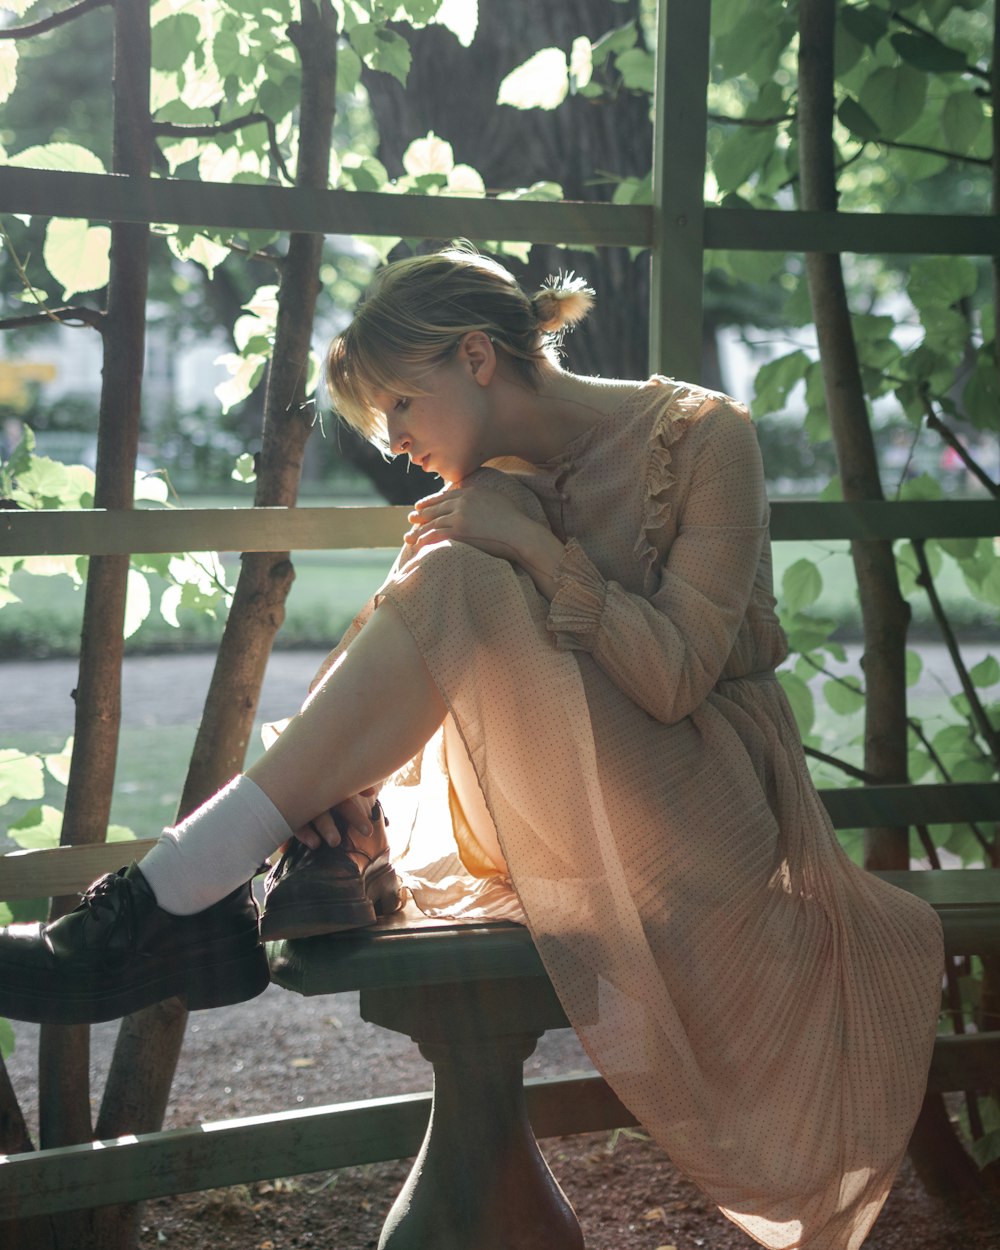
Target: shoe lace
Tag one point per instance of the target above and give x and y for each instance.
(110, 902)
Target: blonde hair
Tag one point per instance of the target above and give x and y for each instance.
(417, 310)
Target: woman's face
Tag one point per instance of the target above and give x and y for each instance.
(444, 431)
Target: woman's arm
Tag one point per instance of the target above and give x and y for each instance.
(668, 651)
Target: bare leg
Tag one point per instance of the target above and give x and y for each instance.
(373, 711)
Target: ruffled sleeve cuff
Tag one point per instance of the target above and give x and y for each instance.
(578, 604)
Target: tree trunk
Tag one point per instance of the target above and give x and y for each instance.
(149, 1042)
(64, 1097)
(938, 1156)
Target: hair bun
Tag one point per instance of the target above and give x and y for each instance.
(562, 300)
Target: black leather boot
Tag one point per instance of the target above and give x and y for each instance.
(118, 952)
(332, 888)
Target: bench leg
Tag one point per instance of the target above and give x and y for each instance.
(479, 1182)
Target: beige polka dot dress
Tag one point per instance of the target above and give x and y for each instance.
(764, 1007)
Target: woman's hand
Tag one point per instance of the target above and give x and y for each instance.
(481, 518)
(355, 813)
(487, 520)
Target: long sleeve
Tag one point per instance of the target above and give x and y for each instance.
(666, 652)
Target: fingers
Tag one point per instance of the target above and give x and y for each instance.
(431, 501)
(309, 837)
(355, 812)
(326, 828)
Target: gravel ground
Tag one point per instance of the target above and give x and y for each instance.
(313, 1052)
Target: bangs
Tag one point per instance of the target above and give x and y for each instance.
(355, 374)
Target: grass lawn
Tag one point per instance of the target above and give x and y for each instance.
(330, 587)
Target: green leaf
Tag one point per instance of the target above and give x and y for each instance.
(753, 46)
(938, 281)
(856, 119)
(348, 69)
(954, 743)
(986, 672)
(914, 667)
(844, 699)
(740, 154)
(921, 487)
(227, 53)
(391, 55)
(986, 1149)
(38, 829)
(962, 121)
(68, 156)
(928, 54)
(958, 548)
(961, 841)
(77, 254)
(542, 81)
(866, 22)
(801, 585)
(614, 42)
(918, 764)
(8, 69)
(174, 37)
(21, 776)
(244, 470)
(138, 602)
(462, 19)
(808, 633)
(800, 697)
(894, 98)
(7, 1039)
(775, 381)
(981, 397)
(245, 374)
(420, 12)
(637, 68)
(429, 155)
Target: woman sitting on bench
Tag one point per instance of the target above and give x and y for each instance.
(583, 620)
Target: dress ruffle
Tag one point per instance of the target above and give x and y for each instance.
(686, 405)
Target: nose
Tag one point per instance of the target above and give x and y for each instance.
(399, 443)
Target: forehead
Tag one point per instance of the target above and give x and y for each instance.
(383, 401)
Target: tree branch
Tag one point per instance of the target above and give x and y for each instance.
(53, 20)
(935, 423)
(87, 316)
(193, 130)
(271, 258)
(920, 147)
(81, 316)
(850, 769)
(981, 720)
(927, 842)
(833, 676)
(936, 759)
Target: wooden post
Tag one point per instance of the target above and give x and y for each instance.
(680, 118)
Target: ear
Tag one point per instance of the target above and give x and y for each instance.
(477, 353)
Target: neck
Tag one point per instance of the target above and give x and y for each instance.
(535, 425)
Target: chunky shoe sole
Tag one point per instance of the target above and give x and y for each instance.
(311, 917)
(230, 977)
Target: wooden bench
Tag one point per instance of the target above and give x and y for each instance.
(475, 999)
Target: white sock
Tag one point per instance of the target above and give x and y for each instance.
(217, 848)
